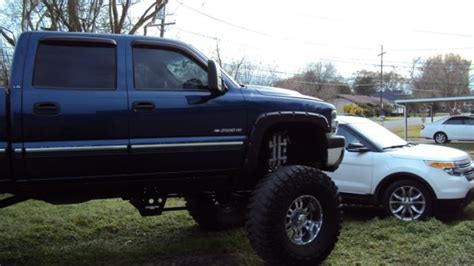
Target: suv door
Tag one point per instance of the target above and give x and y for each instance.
(74, 107)
(354, 174)
(176, 123)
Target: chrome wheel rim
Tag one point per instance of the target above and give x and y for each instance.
(304, 219)
(407, 203)
(440, 138)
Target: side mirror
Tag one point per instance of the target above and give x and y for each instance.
(357, 147)
(214, 78)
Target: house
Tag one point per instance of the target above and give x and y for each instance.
(341, 100)
(391, 96)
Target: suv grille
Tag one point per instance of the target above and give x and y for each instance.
(465, 168)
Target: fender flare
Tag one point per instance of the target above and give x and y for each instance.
(267, 120)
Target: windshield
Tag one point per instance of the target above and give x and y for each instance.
(377, 134)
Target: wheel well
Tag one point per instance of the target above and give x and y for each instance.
(307, 144)
(387, 181)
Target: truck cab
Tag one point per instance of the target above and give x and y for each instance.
(90, 116)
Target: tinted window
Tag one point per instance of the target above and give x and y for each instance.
(470, 121)
(75, 66)
(454, 121)
(166, 69)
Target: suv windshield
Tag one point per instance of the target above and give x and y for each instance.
(377, 134)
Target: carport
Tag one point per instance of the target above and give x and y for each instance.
(404, 104)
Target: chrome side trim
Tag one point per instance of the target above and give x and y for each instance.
(193, 144)
(2, 150)
(78, 148)
(18, 150)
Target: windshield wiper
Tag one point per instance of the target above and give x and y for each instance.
(395, 146)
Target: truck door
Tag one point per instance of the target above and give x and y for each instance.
(74, 107)
(176, 124)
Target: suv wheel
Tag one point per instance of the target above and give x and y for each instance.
(217, 212)
(294, 216)
(407, 200)
(440, 138)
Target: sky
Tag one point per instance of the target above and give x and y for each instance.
(290, 34)
(349, 34)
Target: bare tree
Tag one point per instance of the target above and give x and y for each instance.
(318, 79)
(446, 75)
(245, 71)
(443, 76)
(218, 54)
(108, 16)
(5, 57)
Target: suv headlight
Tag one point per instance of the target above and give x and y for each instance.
(457, 168)
(448, 167)
(334, 122)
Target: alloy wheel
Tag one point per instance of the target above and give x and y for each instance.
(407, 203)
(440, 138)
(304, 220)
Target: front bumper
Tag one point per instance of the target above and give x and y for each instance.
(449, 205)
(336, 145)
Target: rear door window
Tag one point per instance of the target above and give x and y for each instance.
(455, 121)
(75, 66)
(470, 121)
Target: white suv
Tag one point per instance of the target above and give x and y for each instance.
(410, 181)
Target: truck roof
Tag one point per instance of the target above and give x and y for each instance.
(106, 35)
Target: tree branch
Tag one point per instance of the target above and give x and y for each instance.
(145, 16)
(10, 39)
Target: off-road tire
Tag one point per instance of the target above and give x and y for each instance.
(268, 207)
(213, 215)
(397, 185)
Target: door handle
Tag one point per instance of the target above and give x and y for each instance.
(143, 107)
(46, 108)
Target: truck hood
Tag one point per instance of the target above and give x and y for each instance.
(272, 91)
(429, 153)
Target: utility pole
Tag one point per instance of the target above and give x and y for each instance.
(381, 82)
(161, 15)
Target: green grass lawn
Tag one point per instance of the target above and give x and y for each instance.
(111, 232)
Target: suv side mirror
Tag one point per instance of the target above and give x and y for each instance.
(214, 78)
(357, 147)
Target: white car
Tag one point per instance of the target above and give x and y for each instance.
(410, 181)
(458, 127)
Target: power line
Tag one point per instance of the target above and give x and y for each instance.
(223, 21)
(444, 33)
(266, 34)
(306, 41)
(354, 61)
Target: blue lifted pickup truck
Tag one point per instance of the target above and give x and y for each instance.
(91, 116)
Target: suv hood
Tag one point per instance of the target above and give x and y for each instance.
(272, 91)
(430, 153)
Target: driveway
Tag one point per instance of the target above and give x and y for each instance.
(399, 123)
